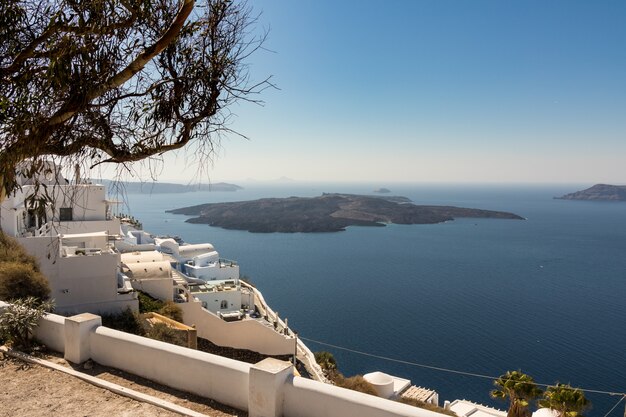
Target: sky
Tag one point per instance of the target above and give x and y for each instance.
(431, 91)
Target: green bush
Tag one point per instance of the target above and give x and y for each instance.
(325, 360)
(21, 280)
(126, 321)
(20, 318)
(172, 311)
(164, 333)
(148, 304)
(12, 251)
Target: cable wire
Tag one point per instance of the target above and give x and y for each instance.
(616, 404)
(453, 371)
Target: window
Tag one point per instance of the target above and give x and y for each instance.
(224, 305)
(65, 214)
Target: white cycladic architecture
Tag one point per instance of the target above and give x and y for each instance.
(465, 408)
(265, 389)
(71, 239)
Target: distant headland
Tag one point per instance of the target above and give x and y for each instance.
(166, 187)
(326, 213)
(599, 192)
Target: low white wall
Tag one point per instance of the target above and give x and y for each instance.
(245, 334)
(122, 303)
(157, 288)
(308, 398)
(50, 331)
(257, 388)
(210, 376)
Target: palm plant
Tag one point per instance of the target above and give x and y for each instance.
(565, 400)
(519, 388)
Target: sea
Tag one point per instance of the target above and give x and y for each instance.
(449, 306)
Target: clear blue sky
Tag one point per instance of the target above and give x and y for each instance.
(434, 90)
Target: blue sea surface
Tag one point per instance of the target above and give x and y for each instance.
(546, 295)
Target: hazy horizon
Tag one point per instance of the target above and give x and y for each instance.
(431, 91)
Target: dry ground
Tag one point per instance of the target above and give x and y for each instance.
(32, 390)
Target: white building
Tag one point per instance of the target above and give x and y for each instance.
(69, 236)
(465, 408)
(94, 263)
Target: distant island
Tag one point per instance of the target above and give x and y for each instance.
(599, 192)
(166, 187)
(382, 190)
(326, 213)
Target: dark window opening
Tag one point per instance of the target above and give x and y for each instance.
(65, 214)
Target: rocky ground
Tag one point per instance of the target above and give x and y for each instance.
(32, 390)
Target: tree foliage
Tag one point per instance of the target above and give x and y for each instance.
(565, 400)
(118, 80)
(519, 388)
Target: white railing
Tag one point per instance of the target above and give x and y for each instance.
(306, 356)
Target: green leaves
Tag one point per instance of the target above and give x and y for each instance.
(19, 320)
(566, 400)
(110, 81)
(519, 388)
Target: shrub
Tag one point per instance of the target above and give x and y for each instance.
(325, 360)
(148, 304)
(20, 318)
(172, 311)
(12, 251)
(126, 321)
(164, 333)
(356, 383)
(21, 280)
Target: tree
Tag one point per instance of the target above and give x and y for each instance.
(567, 401)
(519, 388)
(118, 80)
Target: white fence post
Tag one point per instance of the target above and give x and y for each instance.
(77, 329)
(267, 378)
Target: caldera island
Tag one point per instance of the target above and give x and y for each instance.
(326, 213)
(599, 192)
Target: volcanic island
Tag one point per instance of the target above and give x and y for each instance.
(326, 213)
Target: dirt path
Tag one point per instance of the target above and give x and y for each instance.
(32, 390)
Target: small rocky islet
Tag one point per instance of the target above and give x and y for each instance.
(598, 192)
(326, 213)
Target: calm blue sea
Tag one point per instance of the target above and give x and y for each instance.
(546, 295)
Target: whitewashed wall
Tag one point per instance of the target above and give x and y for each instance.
(72, 290)
(308, 398)
(244, 334)
(266, 389)
(210, 376)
